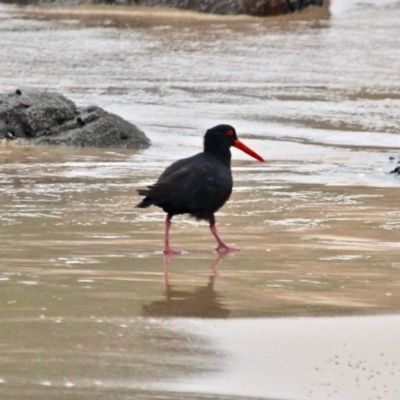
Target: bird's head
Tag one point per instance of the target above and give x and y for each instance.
(220, 138)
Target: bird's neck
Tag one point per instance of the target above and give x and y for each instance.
(221, 153)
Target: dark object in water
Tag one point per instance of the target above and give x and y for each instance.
(396, 171)
(199, 185)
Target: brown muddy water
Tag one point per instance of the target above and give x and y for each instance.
(90, 308)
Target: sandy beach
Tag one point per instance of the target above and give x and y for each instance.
(308, 309)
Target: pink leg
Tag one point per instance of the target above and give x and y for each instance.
(167, 248)
(221, 244)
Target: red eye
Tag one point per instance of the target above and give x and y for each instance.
(230, 133)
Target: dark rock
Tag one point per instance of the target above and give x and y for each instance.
(50, 118)
(297, 5)
(259, 8)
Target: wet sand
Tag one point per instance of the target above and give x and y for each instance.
(86, 290)
(91, 307)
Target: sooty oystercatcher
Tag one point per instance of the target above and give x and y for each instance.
(199, 185)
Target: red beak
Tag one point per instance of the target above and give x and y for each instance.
(239, 145)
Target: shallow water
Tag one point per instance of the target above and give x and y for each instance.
(84, 287)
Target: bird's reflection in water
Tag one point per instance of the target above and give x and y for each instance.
(202, 302)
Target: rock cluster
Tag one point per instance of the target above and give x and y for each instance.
(259, 8)
(50, 118)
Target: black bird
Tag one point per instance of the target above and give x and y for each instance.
(199, 185)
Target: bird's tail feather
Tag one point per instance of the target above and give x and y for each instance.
(147, 201)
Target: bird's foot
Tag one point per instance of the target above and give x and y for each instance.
(171, 251)
(224, 247)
